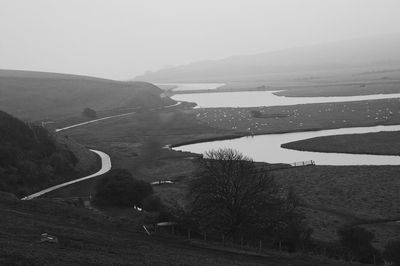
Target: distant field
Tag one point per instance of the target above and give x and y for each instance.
(349, 89)
(43, 96)
(302, 117)
(335, 195)
(352, 82)
(384, 143)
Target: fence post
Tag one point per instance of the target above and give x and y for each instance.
(188, 234)
(260, 245)
(241, 242)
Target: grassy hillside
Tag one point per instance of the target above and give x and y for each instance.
(87, 238)
(336, 195)
(37, 95)
(31, 158)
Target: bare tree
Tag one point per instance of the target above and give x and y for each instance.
(232, 196)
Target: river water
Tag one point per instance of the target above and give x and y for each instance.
(265, 98)
(267, 148)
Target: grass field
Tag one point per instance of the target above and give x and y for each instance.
(355, 194)
(332, 196)
(302, 117)
(362, 87)
(383, 143)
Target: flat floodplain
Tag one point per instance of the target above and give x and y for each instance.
(303, 117)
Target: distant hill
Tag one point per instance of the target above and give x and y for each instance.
(31, 158)
(368, 53)
(41, 95)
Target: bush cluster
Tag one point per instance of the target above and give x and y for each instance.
(30, 158)
(90, 113)
(119, 188)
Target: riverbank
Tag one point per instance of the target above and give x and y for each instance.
(360, 87)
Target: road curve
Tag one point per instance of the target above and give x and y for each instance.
(105, 167)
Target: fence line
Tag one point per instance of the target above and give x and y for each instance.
(303, 163)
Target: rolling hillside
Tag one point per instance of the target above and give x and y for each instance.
(378, 53)
(40, 96)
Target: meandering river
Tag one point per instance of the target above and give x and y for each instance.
(267, 147)
(266, 98)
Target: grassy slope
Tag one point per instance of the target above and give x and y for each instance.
(37, 95)
(342, 194)
(371, 143)
(86, 238)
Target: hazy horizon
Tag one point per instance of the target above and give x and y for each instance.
(123, 39)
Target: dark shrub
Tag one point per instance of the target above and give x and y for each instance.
(392, 252)
(119, 188)
(256, 113)
(353, 237)
(61, 163)
(358, 241)
(88, 112)
(152, 203)
(30, 158)
(141, 190)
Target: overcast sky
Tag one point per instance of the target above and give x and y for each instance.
(120, 39)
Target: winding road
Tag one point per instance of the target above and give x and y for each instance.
(105, 158)
(105, 167)
(105, 161)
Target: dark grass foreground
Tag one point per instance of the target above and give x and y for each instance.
(86, 238)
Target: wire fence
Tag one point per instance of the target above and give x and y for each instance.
(303, 163)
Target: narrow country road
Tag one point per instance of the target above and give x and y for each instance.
(105, 167)
(113, 116)
(92, 121)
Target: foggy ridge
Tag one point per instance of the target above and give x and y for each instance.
(367, 53)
